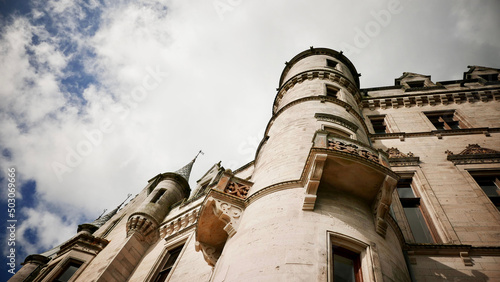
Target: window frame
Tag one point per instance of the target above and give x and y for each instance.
(378, 118)
(162, 259)
(495, 200)
(368, 257)
(332, 64)
(332, 91)
(444, 118)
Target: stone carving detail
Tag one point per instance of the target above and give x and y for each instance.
(210, 253)
(395, 153)
(338, 120)
(382, 204)
(474, 149)
(228, 213)
(179, 224)
(474, 154)
(313, 182)
(237, 189)
(143, 225)
(352, 149)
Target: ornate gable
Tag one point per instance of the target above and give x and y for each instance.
(397, 158)
(473, 154)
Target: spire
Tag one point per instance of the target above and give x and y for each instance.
(185, 171)
(102, 219)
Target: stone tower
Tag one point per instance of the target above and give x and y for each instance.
(317, 185)
(333, 194)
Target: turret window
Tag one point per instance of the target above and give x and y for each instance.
(331, 63)
(158, 195)
(331, 91)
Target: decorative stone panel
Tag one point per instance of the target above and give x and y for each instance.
(144, 225)
(474, 154)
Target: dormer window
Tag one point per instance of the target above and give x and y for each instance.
(331, 64)
(489, 77)
(416, 84)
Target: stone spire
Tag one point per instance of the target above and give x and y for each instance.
(101, 220)
(185, 171)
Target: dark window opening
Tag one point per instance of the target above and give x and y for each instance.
(330, 63)
(415, 84)
(167, 267)
(489, 77)
(158, 195)
(490, 184)
(444, 120)
(68, 271)
(378, 123)
(346, 265)
(413, 212)
(331, 92)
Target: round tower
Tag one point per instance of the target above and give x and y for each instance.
(320, 193)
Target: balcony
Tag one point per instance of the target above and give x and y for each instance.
(352, 167)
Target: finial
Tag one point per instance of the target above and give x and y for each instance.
(200, 152)
(102, 213)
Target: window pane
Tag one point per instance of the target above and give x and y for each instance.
(418, 226)
(343, 269)
(68, 272)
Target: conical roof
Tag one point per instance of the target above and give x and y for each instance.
(100, 221)
(185, 171)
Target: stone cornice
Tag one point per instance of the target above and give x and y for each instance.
(338, 120)
(438, 133)
(322, 99)
(320, 51)
(450, 249)
(433, 98)
(325, 74)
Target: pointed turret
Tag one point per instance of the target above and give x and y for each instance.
(101, 220)
(185, 171)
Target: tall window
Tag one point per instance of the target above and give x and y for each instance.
(68, 271)
(444, 120)
(490, 185)
(411, 205)
(378, 123)
(169, 263)
(346, 265)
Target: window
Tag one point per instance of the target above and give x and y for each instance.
(378, 123)
(158, 195)
(169, 263)
(445, 120)
(338, 132)
(330, 63)
(331, 91)
(346, 265)
(416, 84)
(68, 271)
(489, 77)
(490, 184)
(412, 210)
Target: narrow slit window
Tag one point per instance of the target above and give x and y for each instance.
(158, 196)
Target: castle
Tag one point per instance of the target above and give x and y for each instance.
(394, 183)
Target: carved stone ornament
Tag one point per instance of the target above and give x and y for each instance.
(313, 182)
(237, 189)
(395, 153)
(397, 158)
(218, 221)
(351, 149)
(382, 204)
(474, 154)
(179, 224)
(143, 225)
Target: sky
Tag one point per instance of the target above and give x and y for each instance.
(98, 96)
